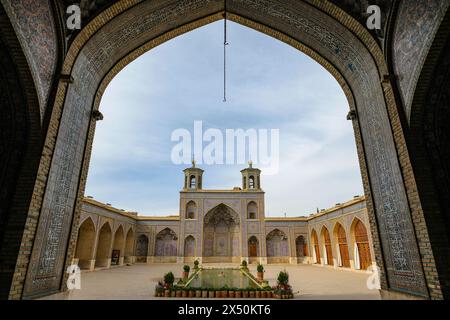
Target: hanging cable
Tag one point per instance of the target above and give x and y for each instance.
(225, 43)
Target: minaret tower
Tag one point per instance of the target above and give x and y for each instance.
(251, 180)
(193, 177)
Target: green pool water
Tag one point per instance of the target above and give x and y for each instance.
(218, 278)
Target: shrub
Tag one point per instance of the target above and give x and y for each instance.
(283, 278)
(186, 268)
(260, 268)
(196, 263)
(244, 263)
(169, 278)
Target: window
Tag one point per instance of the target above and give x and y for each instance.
(251, 182)
(192, 182)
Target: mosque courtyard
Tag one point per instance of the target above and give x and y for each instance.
(137, 282)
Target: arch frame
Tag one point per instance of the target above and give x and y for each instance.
(401, 163)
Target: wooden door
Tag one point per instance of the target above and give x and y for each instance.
(343, 247)
(362, 241)
(328, 249)
(252, 249)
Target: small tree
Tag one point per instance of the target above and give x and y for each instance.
(260, 268)
(283, 278)
(186, 268)
(169, 278)
(196, 263)
(244, 263)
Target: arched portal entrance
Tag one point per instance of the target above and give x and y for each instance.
(142, 248)
(301, 248)
(166, 246)
(103, 256)
(342, 246)
(221, 235)
(129, 247)
(326, 240)
(189, 249)
(118, 247)
(85, 245)
(253, 249)
(277, 247)
(316, 249)
(361, 246)
(320, 29)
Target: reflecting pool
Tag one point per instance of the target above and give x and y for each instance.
(218, 278)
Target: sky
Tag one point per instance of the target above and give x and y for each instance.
(271, 87)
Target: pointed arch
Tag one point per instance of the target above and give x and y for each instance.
(166, 243)
(191, 210)
(189, 247)
(340, 237)
(129, 246)
(118, 246)
(326, 240)
(142, 248)
(360, 244)
(316, 248)
(253, 249)
(221, 235)
(277, 244)
(252, 210)
(301, 248)
(85, 244)
(103, 255)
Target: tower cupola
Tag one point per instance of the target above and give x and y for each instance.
(193, 177)
(251, 178)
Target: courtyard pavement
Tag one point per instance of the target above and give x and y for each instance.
(137, 282)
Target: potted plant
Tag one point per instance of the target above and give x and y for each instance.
(224, 292)
(159, 289)
(169, 278)
(245, 293)
(173, 292)
(218, 293)
(204, 292)
(186, 270)
(178, 291)
(238, 293)
(260, 270)
(198, 293)
(211, 292)
(232, 292)
(251, 292)
(184, 292)
(244, 264)
(270, 292)
(258, 293)
(283, 278)
(263, 293)
(196, 263)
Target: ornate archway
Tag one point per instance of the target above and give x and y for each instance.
(318, 28)
(301, 248)
(277, 244)
(142, 248)
(166, 246)
(221, 235)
